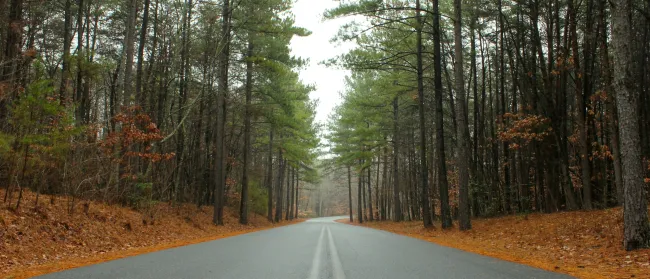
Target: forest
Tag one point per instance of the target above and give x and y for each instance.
(143, 101)
(457, 110)
(453, 110)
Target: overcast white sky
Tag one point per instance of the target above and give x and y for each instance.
(317, 47)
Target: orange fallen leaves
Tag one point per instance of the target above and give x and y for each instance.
(47, 239)
(582, 244)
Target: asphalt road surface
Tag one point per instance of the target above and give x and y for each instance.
(317, 248)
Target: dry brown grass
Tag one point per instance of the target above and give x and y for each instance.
(47, 239)
(582, 244)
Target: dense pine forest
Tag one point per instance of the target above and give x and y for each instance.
(463, 109)
(453, 109)
(135, 102)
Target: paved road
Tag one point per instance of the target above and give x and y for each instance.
(317, 248)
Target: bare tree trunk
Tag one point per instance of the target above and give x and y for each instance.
(297, 194)
(130, 51)
(384, 187)
(220, 146)
(278, 193)
(142, 96)
(269, 177)
(67, 41)
(350, 194)
(370, 212)
(477, 111)
(80, 109)
(377, 189)
(424, 174)
(290, 171)
(397, 207)
(292, 204)
(362, 177)
(243, 208)
(611, 106)
(635, 205)
(359, 196)
(463, 130)
(445, 214)
(502, 105)
(585, 164)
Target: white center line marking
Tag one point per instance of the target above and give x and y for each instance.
(315, 264)
(336, 262)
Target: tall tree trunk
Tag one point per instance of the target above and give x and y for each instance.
(377, 185)
(397, 207)
(481, 125)
(445, 214)
(278, 189)
(67, 41)
(290, 171)
(424, 174)
(463, 130)
(243, 208)
(129, 40)
(363, 191)
(81, 106)
(297, 194)
(502, 106)
(384, 187)
(635, 206)
(142, 96)
(370, 212)
(269, 176)
(477, 112)
(350, 194)
(182, 98)
(584, 153)
(610, 104)
(360, 196)
(220, 146)
(293, 194)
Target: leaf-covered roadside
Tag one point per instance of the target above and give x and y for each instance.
(582, 244)
(48, 239)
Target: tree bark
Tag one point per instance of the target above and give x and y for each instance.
(293, 193)
(463, 130)
(67, 41)
(635, 206)
(397, 207)
(80, 102)
(370, 211)
(297, 194)
(445, 214)
(611, 105)
(290, 171)
(278, 189)
(424, 174)
(585, 164)
(502, 106)
(350, 195)
(243, 208)
(220, 146)
(129, 40)
(359, 196)
(269, 176)
(142, 96)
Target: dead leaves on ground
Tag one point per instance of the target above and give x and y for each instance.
(583, 244)
(48, 239)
